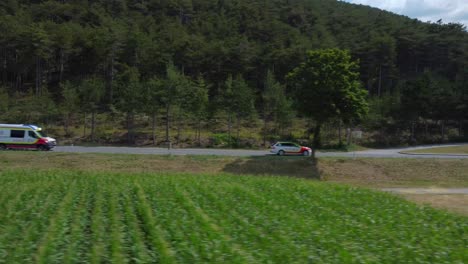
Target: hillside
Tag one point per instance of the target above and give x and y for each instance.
(49, 50)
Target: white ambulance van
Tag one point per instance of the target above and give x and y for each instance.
(22, 136)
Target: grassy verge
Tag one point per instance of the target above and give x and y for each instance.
(376, 172)
(181, 218)
(366, 172)
(443, 150)
(369, 173)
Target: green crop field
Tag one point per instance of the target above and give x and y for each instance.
(70, 217)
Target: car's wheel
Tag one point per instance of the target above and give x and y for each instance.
(43, 148)
(281, 152)
(3, 147)
(306, 153)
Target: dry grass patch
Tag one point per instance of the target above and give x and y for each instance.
(110, 162)
(452, 202)
(368, 172)
(388, 172)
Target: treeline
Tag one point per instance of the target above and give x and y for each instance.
(197, 59)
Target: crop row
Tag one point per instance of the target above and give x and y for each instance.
(74, 217)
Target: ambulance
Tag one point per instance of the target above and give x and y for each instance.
(23, 136)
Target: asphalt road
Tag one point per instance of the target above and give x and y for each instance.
(376, 153)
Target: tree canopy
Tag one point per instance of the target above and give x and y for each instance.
(326, 86)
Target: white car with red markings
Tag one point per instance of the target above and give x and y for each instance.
(290, 148)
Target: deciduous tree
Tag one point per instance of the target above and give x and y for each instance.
(327, 86)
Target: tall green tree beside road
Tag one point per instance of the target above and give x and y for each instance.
(326, 86)
(70, 104)
(277, 107)
(237, 100)
(198, 104)
(243, 100)
(225, 103)
(91, 91)
(151, 101)
(174, 91)
(130, 97)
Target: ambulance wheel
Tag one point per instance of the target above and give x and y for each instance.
(3, 147)
(43, 148)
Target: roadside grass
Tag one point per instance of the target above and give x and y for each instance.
(396, 172)
(343, 148)
(362, 172)
(366, 172)
(443, 150)
(70, 215)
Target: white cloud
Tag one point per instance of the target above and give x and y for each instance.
(425, 10)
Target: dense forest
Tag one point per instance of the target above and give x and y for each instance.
(217, 65)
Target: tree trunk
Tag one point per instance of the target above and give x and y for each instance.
(179, 125)
(442, 132)
(66, 124)
(93, 124)
(412, 139)
(18, 76)
(316, 139)
(229, 128)
(19, 83)
(46, 73)
(62, 62)
(309, 131)
(460, 128)
(38, 76)
(426, 128)
(168, 141)
(348, 136)
(380, 80)
(199, 132)
(265, 127)
(130, 126)
(153, 127)
(111, 75)
(84, 125)
(340, 141)
(4, 75)
(238, 131)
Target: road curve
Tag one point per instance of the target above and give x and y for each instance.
(377, 153)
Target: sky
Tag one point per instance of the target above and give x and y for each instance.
(424, 10)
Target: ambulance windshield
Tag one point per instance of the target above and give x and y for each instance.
(41, 134)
